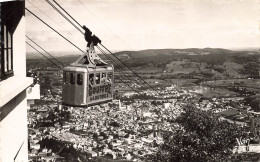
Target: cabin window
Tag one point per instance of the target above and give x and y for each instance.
(103, 78)
(91, 79)
(72, 78)
(64, 77)
(110, 77)
(79, 79)
(97, 78)
(67, 78)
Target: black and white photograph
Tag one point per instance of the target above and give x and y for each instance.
(129, 80)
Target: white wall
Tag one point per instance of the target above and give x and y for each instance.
(13, 121)
(19, 51)
(13, 132)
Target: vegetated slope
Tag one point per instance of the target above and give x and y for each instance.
(206, 55)
(220, 60)
(213, 62)
(43, 62)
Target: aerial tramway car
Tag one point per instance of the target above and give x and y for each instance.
(89, 80)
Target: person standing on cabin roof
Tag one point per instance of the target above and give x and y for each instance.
(90, 38)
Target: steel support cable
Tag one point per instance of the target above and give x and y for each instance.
(114, 64)
(105, 47)
(73, 45)
(100, 43)
(47, 16)
(128, 67)
(121, 79)
(44, 50)
(71, 18)
(131, 87)
(54, 30)
(113, 54)
(110, 58)
(141, 95)
(43, 55)
(67, 13)
(100, 49)
(124, 75)
(55, 8)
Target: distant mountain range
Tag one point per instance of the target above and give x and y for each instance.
(161, 57)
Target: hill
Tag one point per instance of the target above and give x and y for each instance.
(214, 61)
(161, 58)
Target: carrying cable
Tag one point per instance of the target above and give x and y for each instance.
(43, 55)
(116, 65)
(66, 38)
(54, 30)
(80, 50)
(55, 8)
(141, 95)
(111, 52)
(67, 13)
(107, 49)
(61, 69)
(131, 87)
(83, 34)
(47, 15)
(114, 62)
(44, 50)
(128, 67)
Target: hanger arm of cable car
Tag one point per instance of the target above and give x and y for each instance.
(89, 82)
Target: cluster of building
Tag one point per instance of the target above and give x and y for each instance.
(120, 129)
(116, 129)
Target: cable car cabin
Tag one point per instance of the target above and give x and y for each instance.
(87, 86)
(88, 83)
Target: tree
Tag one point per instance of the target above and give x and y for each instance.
(201, 137)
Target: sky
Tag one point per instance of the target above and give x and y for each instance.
(148, 24)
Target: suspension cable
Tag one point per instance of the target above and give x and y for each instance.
(54, 30)
(116, 65)
(44, 50)
(51, 28)
(47, 16)
(82, 50)
(128, 67)
(75, 22)
(44, 55)
(55, 8)
(131, 88)
(116, 56)
(107, 49)
(67, 13)
(110, 59)
(125, 76)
